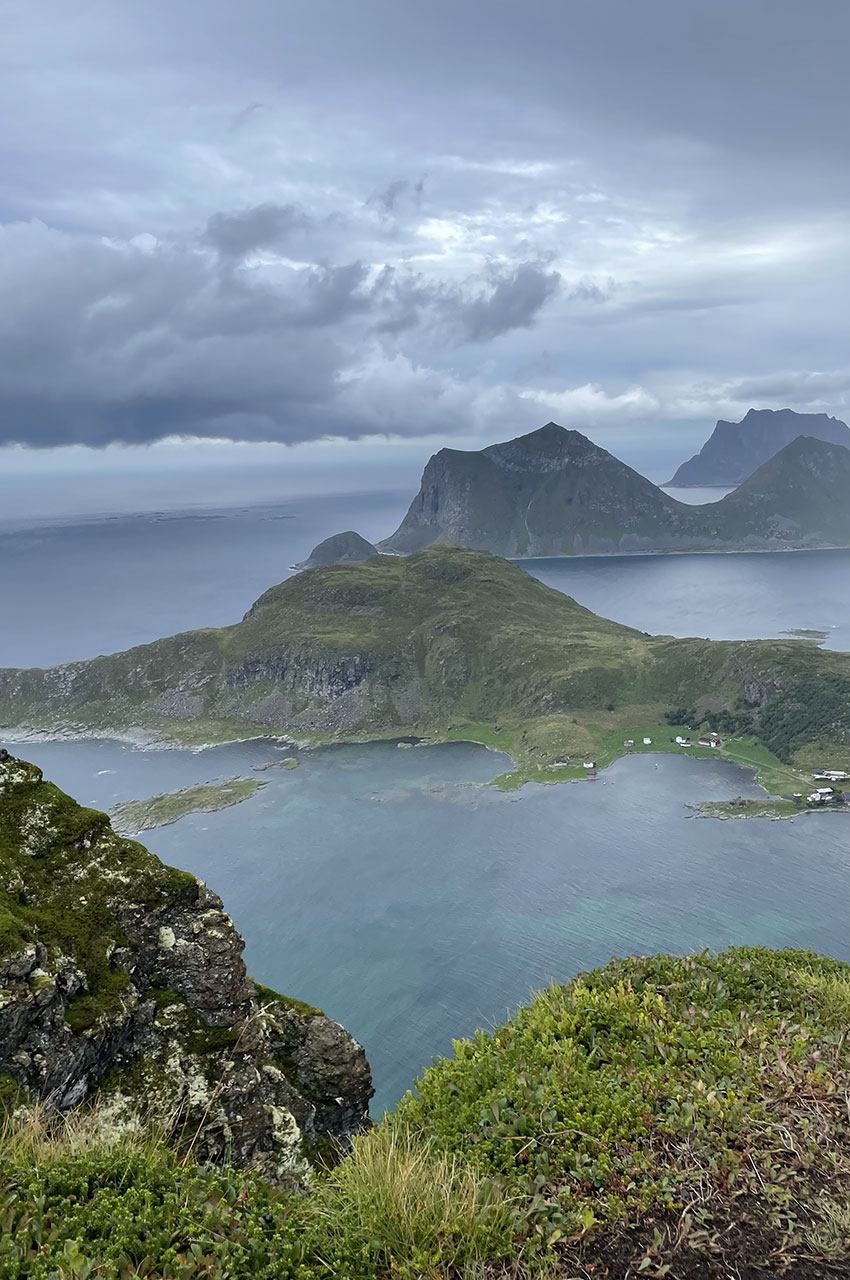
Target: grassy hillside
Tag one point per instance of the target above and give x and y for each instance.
(429, 644)
(661, 1117)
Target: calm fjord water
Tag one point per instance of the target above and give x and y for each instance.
(70, 590)
(414, 907)
(377, 882)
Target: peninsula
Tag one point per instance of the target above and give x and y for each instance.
(446, 643)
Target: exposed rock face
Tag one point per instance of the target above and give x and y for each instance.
(554, 492)
(341, 548)
(734, 450)
(122, 980)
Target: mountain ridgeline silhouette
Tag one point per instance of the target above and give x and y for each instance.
(734, 450)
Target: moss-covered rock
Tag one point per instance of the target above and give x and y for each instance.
(122, 980)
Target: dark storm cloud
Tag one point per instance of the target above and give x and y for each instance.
(104, 342)
(265, 226)
(512, 303)
(632, 212)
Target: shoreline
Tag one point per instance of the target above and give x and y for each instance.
(676, 551)
(525, 768)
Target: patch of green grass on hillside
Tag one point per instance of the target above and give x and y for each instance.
(662, 1116)
(776, 778)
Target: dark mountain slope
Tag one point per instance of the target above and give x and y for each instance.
(735, 449)
(800, 496)
(340, 548)
(554, 492)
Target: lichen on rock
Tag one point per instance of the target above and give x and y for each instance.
(122, 982)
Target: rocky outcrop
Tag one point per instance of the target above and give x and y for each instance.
(340, 548)
(122, 982)
(734, 450)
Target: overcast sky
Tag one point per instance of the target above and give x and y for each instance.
(283, 220)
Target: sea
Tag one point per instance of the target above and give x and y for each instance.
(395, 888)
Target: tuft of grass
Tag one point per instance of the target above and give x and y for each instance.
(829, 1236)
(415, 1205)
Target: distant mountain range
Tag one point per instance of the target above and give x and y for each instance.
(735, 449)
(554, 492)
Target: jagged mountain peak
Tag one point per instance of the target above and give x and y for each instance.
(734, 450)
(555, 492)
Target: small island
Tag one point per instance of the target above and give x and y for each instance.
(132, 816)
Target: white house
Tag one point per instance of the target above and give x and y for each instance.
(647, 742)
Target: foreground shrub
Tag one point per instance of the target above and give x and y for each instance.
(665, 1117)
(702, 1095)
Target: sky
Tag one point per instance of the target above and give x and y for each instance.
(345, 234)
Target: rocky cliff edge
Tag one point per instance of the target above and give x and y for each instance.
(122, 983)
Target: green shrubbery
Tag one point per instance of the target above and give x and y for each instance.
(815, 708)
(661, 1114)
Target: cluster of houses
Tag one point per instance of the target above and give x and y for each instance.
(820, 795)
(708, 740)
(827, 795)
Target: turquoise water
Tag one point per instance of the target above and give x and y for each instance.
(413, 907)
(373, 881)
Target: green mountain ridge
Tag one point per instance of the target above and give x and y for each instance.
(553, 492)
(424, 643)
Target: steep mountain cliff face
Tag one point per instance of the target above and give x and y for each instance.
(121, 981)
(734, 450)
(554, 492)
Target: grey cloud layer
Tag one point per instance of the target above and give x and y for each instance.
(312, 217)
(103, 341)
